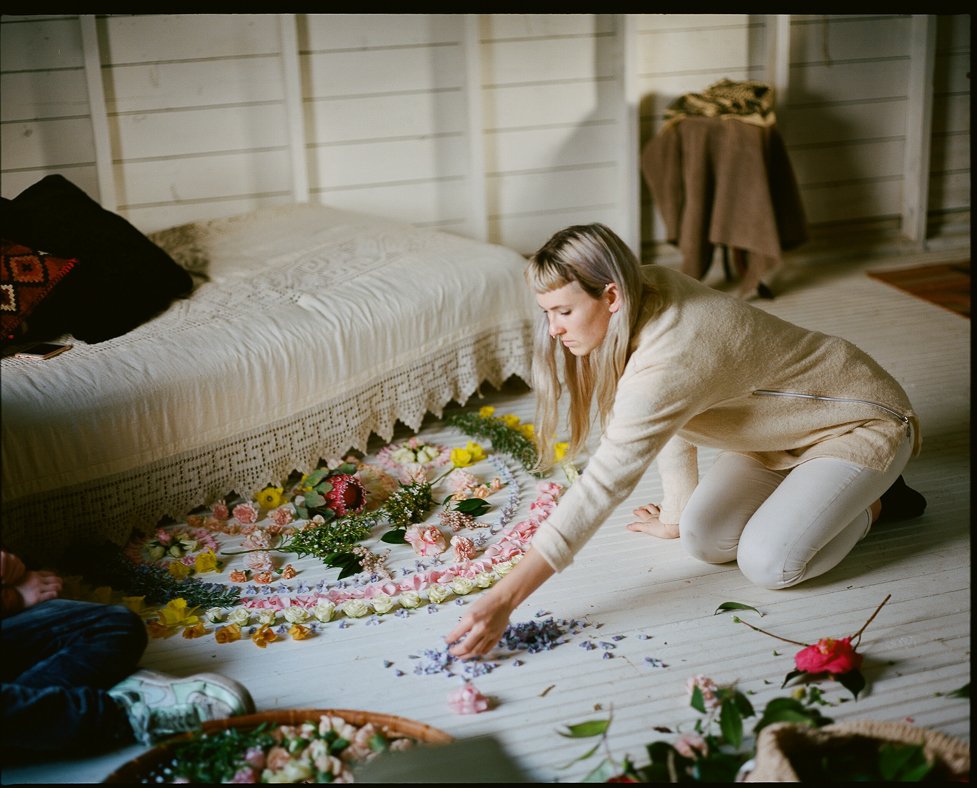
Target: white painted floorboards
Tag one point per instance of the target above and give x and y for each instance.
(917, 649)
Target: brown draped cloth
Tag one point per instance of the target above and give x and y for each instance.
(723, 181)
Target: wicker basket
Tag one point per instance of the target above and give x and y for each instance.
(783, 746)
(133, 771)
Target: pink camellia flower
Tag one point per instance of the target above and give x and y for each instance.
(246, 513)
(220, 510)
(836, 657)
(163, 536)
(425, 539)
(347, 495)
(468, 700)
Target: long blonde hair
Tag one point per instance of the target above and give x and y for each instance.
(593, 256)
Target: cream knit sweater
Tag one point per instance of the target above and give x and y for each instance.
(699, 360)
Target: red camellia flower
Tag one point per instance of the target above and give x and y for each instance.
(836, 657)
(347, 495)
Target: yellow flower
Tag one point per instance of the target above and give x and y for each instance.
(511, 420)
(461, 458)
(176, 614)
(270, 497)
(476, 451)
(299, 632)
(205, 562)
(560, 451)
(195, 631)
(135, 603)
(527, 430)
(228, 634)
(178, 570)
(486, 412)
(102, 595)
(264, 636)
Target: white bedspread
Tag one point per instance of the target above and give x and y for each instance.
(316, 328)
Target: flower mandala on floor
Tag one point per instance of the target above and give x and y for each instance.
(262, 567)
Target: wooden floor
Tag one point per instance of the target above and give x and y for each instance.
(661, 602)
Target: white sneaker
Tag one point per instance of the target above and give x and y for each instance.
(159, 705)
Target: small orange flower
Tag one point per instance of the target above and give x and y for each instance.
(299, 632)
(157, 629)
(239, 576)
(194, 631)
(288, 572)
(264, 577)
(264, 636)
(228, 634)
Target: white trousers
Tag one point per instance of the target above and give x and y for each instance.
(783, 527)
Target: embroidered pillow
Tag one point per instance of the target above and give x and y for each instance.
(27, 277)
(122, 279)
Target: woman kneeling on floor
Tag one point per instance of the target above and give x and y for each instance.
(813, 433)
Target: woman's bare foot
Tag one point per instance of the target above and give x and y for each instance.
(648, 523)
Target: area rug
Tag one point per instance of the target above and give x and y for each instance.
(946, 285)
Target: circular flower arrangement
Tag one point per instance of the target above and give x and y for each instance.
(445, 538)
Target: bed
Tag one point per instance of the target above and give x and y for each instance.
(308, 329)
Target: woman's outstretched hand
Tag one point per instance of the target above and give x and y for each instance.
(481, 628)
(648, 522)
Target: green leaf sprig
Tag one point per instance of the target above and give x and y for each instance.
(504, 438)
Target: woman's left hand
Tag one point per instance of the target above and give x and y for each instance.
(648, 522)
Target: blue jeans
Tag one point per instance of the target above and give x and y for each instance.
(60, 658)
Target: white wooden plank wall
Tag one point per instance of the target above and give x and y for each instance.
(199, 119)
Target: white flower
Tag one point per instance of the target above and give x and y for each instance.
(156, 552)
(409, 599)
(293, 772)
(485, 579)
(462, 586)
(267, 616)
(323, 610)
(382, 603)
(354, 608)
(503, 568)
(403, 455)
(426, 454)
(437, 593)
(295, 614)
(239, 615)
(216, 614)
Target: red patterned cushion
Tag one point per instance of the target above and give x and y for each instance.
(26, 277)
